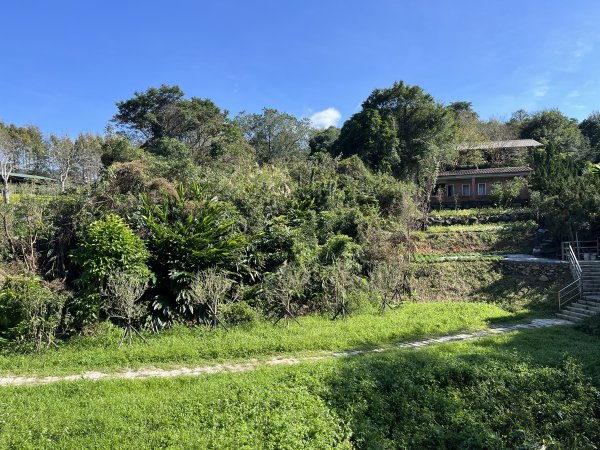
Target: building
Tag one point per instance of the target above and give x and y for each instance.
(471, 187)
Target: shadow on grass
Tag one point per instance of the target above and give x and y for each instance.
(514, 292)
(511, 392)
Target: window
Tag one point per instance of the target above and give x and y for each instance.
(481, 189)
(450, 190)
(466, 190)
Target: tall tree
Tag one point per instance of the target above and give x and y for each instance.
(153, 114)
(64, 157)
(401, 128)
(554, 170)
(164, 113)
(468, 133)
(88, 148)
(28, 149)
(7, 162)
(275, 136)
(552, 126)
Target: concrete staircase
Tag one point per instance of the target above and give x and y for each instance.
(589, 303)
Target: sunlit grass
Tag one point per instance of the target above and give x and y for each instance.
(495, 392)
(185, 346)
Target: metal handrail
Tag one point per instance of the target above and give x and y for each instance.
(571, 291)
(574, 263)
(581, 248)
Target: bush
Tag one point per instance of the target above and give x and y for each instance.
(110, 245)
(205, 295)
(240, 313)
(187, 234)
(30, 312)
(504, 194)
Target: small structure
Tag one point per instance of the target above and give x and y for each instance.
(471, 185)
(27, 178)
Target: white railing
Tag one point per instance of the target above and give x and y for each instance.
(571, 291)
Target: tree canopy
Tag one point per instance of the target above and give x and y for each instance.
(590, 127)
(552, 126)
(275, 136)
(164, 113)
(397, 130)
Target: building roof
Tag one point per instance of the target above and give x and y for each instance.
(26, 176)
(484, 172)
(490, 145)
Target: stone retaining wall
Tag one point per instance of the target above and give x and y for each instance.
(538, 271)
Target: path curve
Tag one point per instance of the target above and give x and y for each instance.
(11, 380)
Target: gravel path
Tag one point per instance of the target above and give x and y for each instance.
(142, 373)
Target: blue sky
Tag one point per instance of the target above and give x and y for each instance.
(64, 64)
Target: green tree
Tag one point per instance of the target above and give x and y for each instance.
(275, 136)
(401, 129)
(551, 126)
(153, 114)
(323, 140)
(590, 127)
(468, 125)
(164, 113)
(554, 170)
(117, 147)
(371, 137)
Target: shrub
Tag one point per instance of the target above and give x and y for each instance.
(124, 290)
(504, 194)
(284, 288)
(110, 245)
(187, 234)
(240, 313)
(205, 295)
(30, 312)
(23, 226)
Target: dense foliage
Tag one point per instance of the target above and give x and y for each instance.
(182, 219)
(179, 189)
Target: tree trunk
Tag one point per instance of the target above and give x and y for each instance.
(6, 194)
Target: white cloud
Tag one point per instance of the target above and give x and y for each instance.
(327, 118)
(541, 88)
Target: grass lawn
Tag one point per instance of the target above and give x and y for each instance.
(184, 346)
(522, 390)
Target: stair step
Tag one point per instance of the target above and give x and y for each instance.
(591, 304)
(568, 317)
(580, 309)
(569, 310)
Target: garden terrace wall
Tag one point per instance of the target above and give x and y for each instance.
(479, 217)
(511, 286)
(517, 238)
(543, 271)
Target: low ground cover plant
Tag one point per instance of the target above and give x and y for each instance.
(499, 392)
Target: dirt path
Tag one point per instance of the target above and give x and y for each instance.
(253, 364)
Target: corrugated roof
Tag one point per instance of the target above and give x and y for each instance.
(490, 145)
(32, 177)
(488, 171)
